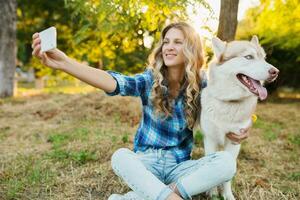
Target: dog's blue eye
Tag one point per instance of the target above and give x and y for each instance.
(249, 57)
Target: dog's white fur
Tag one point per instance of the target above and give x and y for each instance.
(227, 104)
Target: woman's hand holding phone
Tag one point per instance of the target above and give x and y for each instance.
(51, 57)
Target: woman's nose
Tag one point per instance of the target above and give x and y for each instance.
(169, 46)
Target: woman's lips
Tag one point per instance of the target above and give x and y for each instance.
(170, 55)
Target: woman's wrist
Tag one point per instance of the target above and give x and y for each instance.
(65, 64)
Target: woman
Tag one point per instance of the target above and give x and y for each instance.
(160, 165)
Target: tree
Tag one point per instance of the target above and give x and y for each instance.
(228, 19)
(109, 33)
(113, 32)
(276, 21)
(34, 16)
(7, 46)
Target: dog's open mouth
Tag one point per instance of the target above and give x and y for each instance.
(254, 86)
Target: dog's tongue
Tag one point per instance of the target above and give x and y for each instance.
(262, 92)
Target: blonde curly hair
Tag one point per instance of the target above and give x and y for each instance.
(193, 60)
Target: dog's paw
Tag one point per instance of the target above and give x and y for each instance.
(228, 196)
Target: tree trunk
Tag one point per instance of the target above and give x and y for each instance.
(7, 46)
(228, 20)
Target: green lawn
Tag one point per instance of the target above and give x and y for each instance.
(58, 146)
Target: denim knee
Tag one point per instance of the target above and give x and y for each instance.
(118, 157)
(229, 163)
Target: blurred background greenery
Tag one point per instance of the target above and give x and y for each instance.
(119, 35)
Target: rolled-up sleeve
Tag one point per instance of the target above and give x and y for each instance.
(130, 85)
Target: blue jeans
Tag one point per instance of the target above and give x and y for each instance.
(149, 173)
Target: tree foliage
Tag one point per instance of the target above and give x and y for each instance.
(277, 22)
(34, 16)
(109, 34)
(119, 34)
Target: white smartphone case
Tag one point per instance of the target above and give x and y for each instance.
(48, 39)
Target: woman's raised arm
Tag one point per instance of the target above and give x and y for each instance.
(57, 59)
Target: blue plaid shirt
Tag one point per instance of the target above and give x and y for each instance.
(154, 131)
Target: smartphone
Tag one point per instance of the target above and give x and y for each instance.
(48, 39)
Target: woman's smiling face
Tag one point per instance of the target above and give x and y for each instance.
(172, 48)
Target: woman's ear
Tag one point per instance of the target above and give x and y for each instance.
(218, 47)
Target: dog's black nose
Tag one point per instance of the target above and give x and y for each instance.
(273, 71)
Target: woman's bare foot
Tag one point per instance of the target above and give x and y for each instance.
(174, 196)
(173, 187)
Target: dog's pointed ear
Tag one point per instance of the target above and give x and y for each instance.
(218, 46)
(255, 40)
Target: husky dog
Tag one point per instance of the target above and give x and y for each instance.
(234, 84)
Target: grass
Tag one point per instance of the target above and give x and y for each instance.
(198, 137)
(58, 146)
(29, 174)
(271, 130)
